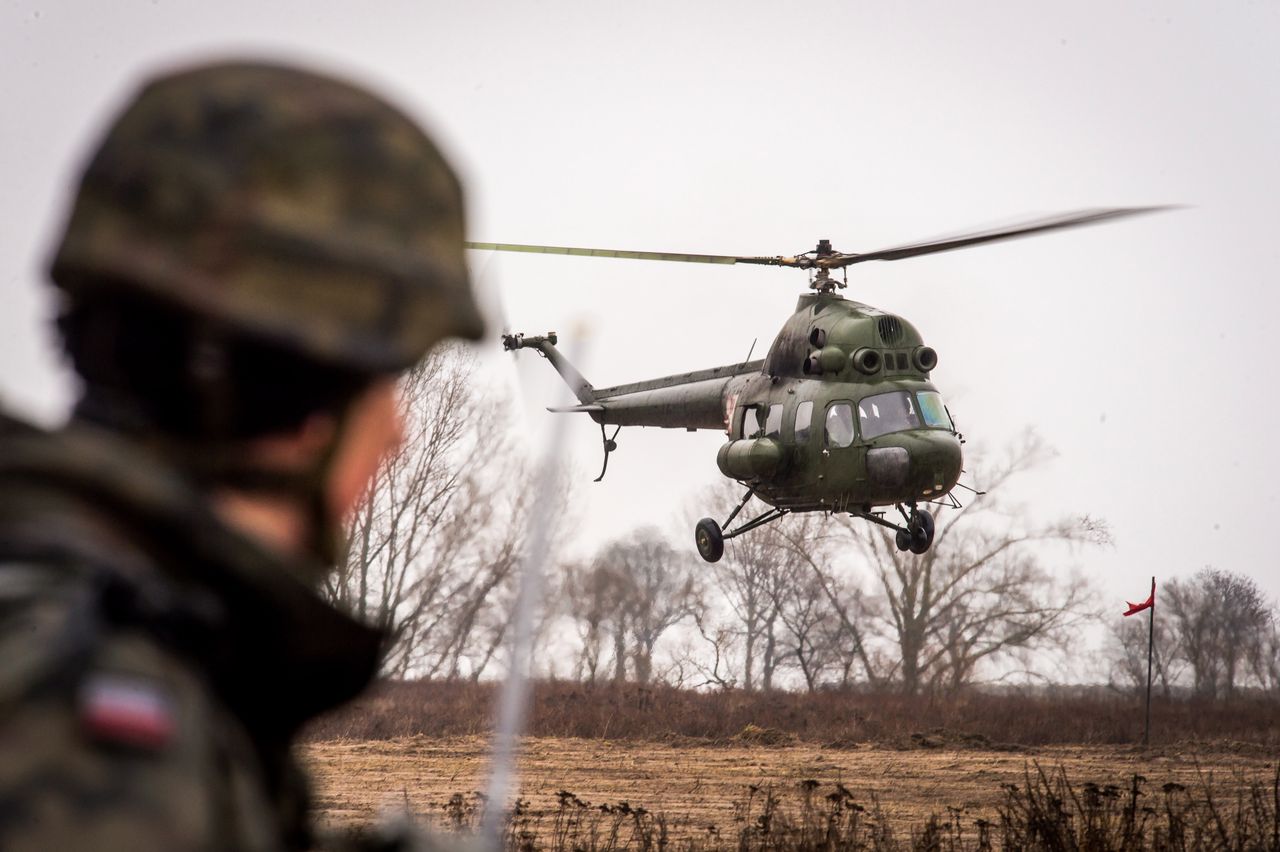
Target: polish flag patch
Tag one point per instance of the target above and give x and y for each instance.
(128, 711)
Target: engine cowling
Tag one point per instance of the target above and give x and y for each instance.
(750, 458)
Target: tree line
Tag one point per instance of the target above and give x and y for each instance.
(809, 602)
(1215, 634)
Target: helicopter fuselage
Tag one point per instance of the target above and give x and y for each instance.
(796, 445)
(839, 416)
(842, 415)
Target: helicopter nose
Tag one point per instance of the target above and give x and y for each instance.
(936, 466)
(922, 464)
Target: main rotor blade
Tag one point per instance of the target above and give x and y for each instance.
(1074, 219)
(634, 255)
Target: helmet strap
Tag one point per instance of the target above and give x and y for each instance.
(306, 487)
(326, 537)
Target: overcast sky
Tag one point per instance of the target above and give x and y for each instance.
(1141, 351)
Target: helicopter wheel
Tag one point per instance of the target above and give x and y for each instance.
(710, 540)
(903, 540)
(921, 538)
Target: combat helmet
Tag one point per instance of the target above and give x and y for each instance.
(251, 244)
(283, 204)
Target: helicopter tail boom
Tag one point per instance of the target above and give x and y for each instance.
(546, 344)
(688, 405)
(684, 401)
(693, 400)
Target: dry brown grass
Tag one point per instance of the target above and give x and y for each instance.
(700, 787)
(406, 709)
(700, 760)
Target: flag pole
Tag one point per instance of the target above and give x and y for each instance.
(1151, 640)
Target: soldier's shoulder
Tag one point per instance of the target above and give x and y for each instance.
(115, 729)
(110, 738)
(60, 622)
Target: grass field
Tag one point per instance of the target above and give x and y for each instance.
(698, 785)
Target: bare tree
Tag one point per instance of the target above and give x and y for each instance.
(1222, 623)
(752, 579)
(634, 591)
(809, 539)
(982, 592)
(812, 628)
(718, 640)
(1246, 620)
(664, 591)
(1268, 671)
(594, 598)
(433, 549)
(1129, 666)
(747, 578)
(778, 613)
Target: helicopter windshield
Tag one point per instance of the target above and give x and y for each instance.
(934, 411)
(887, 412)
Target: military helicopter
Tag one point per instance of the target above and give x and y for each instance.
(838, 417)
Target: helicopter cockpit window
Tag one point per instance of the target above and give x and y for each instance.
(887, 412)
(839, 424)
(751, 422)
(804, 416)
(934, 411)
(773, 425)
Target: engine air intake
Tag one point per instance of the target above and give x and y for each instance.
(866, 361)
(925, 358)
(890, 329)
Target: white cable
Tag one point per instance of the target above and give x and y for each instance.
(513, 700)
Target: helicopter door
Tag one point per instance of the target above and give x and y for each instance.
(805, 446)
(840, 456)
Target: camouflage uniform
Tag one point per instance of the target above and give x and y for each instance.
(156, 664)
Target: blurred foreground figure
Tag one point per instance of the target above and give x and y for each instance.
(254, 255)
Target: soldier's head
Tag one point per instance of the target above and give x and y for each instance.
(254, 254)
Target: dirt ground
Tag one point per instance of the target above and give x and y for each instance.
(695, 785)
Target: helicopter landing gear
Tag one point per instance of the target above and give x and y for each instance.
(710, 539)
(917, 536)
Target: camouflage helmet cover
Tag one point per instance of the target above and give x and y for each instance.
(286, 204)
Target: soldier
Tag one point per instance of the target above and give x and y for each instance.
(253, 256)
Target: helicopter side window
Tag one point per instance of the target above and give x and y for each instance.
(934, 411)
(839, 431)
(751, 422)
(804, 416)
(887, 412)
(773, 425)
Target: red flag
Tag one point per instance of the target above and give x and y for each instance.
(1147, 604)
